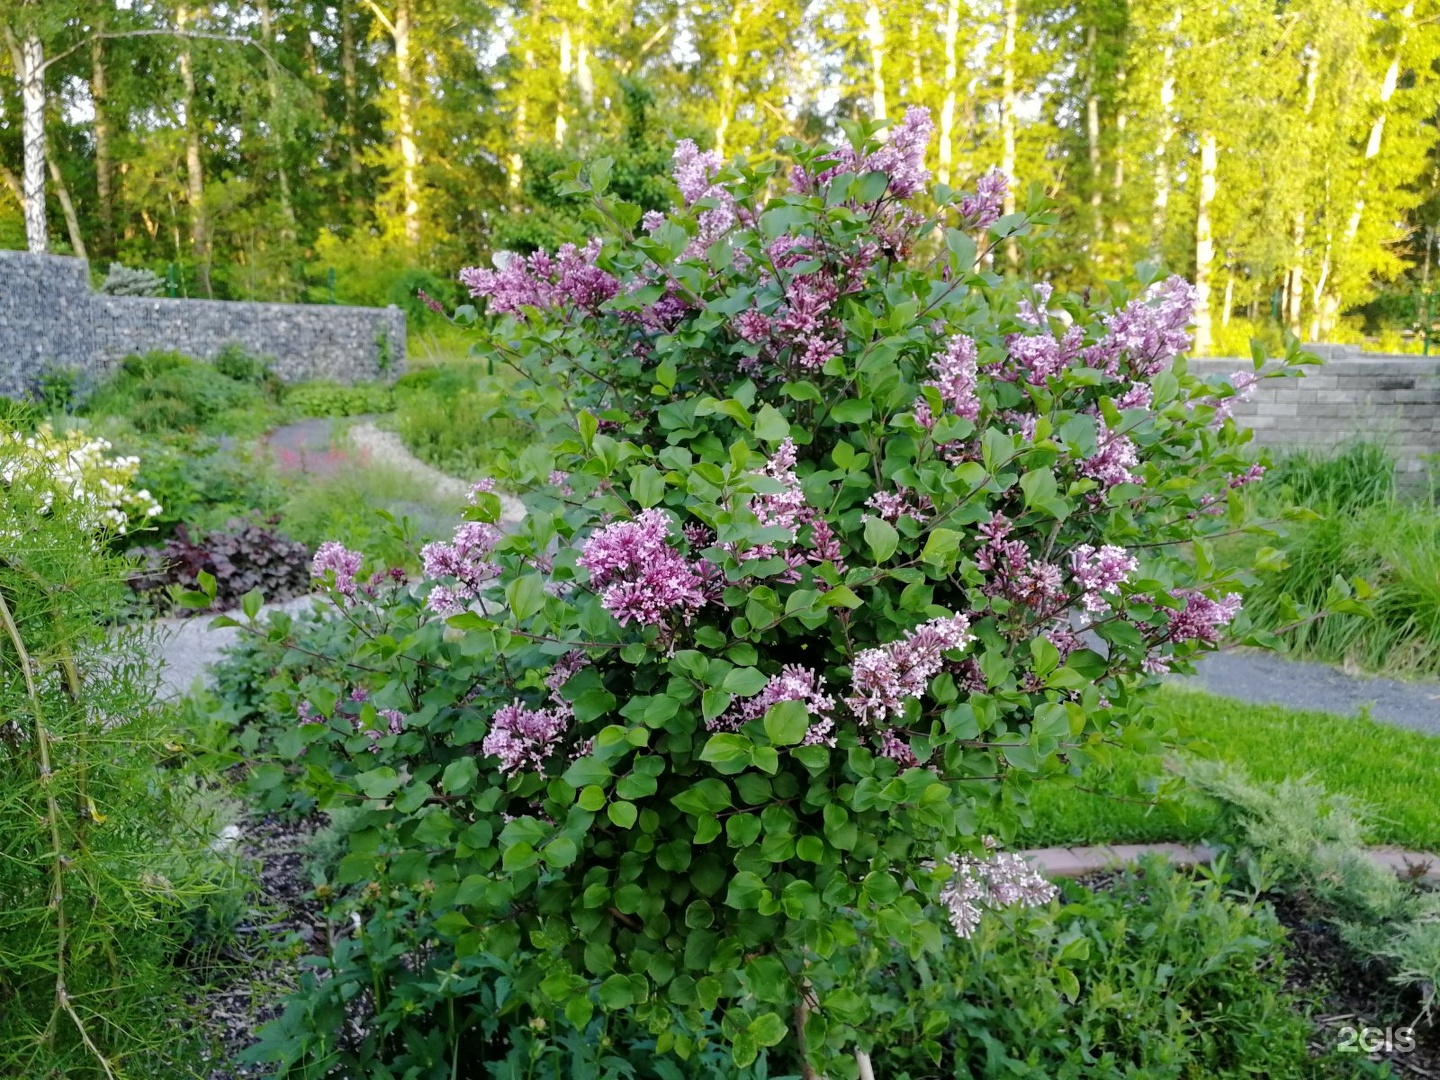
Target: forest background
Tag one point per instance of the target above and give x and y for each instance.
(1283, 155)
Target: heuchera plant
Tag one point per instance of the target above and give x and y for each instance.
(840, 538)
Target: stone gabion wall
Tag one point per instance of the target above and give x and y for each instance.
(50, 317)
(1349, 396)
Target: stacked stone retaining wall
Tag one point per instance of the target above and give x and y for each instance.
(50, 318)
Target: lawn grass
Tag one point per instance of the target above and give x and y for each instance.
(1391, 770)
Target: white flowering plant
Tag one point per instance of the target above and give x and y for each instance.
(841, 537)
(43, 467)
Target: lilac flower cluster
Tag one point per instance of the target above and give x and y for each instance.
(1151, 330)
(883, 678)
(902, 159)
(984, 208)
(522, 737)
(639, 575)
(332, 557)
(794, 683)
(1113, 460)
(1036, 357)
(1243, 383)
(694, 174)
(893, 505)
(1099, 573)
(1000, 880)
(1013, 574)
(1202, 618)
(955, 375)
(466, 560)
(394, 725)
(570, 277)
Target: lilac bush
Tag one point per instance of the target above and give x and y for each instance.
(840, 540)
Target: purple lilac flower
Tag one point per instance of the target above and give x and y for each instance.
(466, 559)
(430, 302)
(1243, 383)
(893, 505)
(1036, 315)
(883, 678)
(954, 374)
(794, 683)
(902, 158)
(570, 277)
(984, 208)
(305, 713)
(1151, 330)
(639, 575)
(694, 174)
(1036, 357)
(1000, 880)
(1099, 573)
(522, 737)
(825, 545)
(1012, 574)
(1112, 461)
(1202, 618)
(1139, 396)
(897, 749)
(332, 557)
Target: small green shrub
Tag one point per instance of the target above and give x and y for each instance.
(234, 361)
(170, 392)
(101, 864)
(456, 420)
(1303, 841)
(201, 484)
(1364, 531)
(326, 399)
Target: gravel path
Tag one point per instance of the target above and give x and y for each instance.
(186, 647)
(1266, 679)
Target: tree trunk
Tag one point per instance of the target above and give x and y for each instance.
(566, 66)
(728, 79)
(1007, 120)
(350, 87)
(1092, 134)
(1295, 278)
(1167, 132)
(405, 116)
(104, 169)
(29, 59)
(584, 80)
(1204, 243)
(516, 159)
(875, 40)
(67, 207)
(1119, 224)
(1377, 129)
(277, 136)
(195, 176)
(1229, 298)
(947, 110)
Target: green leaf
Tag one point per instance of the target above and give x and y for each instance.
(589, 425)
(647, 485)
(882, 538)
(767, 1029)
(1039, 487)
(592, 798)
(714, 702)
(745, 681)
(622, 814)
(852, 411)
(377, 783)
(786, 722)
(459, 776)
(940, 545)
(251, 603)
(525, 595)
(562, 851)
(771, 426)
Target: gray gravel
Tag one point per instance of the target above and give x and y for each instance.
(186, 647)
(1266, 679)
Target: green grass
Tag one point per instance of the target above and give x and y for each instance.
(1391, 770)
(344, 508)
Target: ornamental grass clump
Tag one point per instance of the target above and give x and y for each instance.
(838, 537)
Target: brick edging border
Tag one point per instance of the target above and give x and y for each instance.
(1074, 862)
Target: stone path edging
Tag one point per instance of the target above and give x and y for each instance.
(1074, 862)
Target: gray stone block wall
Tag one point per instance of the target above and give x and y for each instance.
(1349, 396)
(49, 317)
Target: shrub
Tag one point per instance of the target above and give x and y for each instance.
(815, 528)
(244, 556)
(123, 281)
(234, 361)
(200, 483)
(165, 392)
(101, 863)
(334, 400)
(80, 469)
